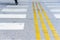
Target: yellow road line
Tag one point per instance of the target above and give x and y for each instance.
(55, 34)
(47, 37)
(38, 37)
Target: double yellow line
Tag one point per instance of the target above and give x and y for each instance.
(45, 31)
(36, 24)
(44, 28)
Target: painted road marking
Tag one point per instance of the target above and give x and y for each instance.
(16, 6)
(54, 10)
(45, 31)
(53, 6)
(38, 37)
(11, 26)
(14, 10)
(12, 15)
(55, 34)
(57, 16)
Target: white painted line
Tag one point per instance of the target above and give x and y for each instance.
(55, 10)
(16, 6)
(53, 6)
(57, 16)
(11, 26)
(12, 15)
(13, 10)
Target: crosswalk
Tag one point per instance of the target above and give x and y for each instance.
(12, 9)
(54, 8)
(16, 22)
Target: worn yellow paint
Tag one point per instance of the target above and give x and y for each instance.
(38, 37)
(45, 31)
(55, 34)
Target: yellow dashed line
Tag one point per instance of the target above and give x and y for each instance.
(55, 34)
(47, 37)
(36, 24)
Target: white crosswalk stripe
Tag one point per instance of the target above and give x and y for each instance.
(57, 16)
(12, 15)
(11, 26)
(55, 10)
(13, 10)
(52, 6)
(24, 6)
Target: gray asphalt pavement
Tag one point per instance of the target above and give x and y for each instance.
(23, 13)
